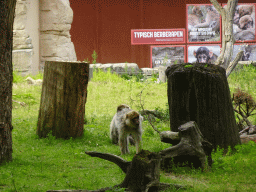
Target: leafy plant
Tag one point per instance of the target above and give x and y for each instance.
(86, 60)
(165, 59)
(94, 56)
(244, 105)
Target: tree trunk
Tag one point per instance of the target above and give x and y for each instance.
(7, 10)
(227, 15)
(63, 99)
(200, 93)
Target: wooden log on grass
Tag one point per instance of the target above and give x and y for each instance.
(63, 98)
(199, 92)
(142, 173)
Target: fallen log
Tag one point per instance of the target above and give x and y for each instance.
(247, 138)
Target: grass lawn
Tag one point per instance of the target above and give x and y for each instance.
(49, 163)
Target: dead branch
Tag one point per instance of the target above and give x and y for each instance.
(143, 110)
(21, 103)
(234, 63)
(122, 163)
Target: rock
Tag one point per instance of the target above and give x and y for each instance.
(149, 71)
(97, 65)
(120, 68)
(56, 17)
(107, 66)
(31, 81)
(22, 60)
(21, 40)
(130, 68)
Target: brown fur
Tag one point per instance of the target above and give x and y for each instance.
(126, 122)
(245, 20)
(194, 17)
(212, 19)
(245, 10)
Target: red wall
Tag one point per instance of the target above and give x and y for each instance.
(105, 26)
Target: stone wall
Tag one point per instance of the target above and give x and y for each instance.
(38, 40)
(56, 17)
(130, 69)
(22, 42)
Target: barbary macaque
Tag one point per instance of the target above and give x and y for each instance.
(247, 53)
(126, 122)
(242, 11)
(243, 27)
(204, 55)
(245, 10)
(212, 19)
(195, 17)
(246, 22)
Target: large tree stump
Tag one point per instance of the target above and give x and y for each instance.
(63, 99)
(200, 93)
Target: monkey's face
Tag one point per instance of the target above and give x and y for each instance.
(197, 10)
(136, 120)
(245, 10)
(248, 25)
(246, 22)
(202, 58)
(133, 119)
(246, 56)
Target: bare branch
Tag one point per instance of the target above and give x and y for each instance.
(147, 115)
(218, 7)
(244, 117)
(233, 64)
(122, 163)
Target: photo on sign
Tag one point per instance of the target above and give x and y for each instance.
(249, 51)
(244, 22)
(203, 53)
(167, 55)
(203, 23)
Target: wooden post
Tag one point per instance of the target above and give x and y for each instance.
(63, 99)
(200, 92)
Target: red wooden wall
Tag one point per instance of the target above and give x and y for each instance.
(105, 26)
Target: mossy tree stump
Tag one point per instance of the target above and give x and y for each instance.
(63, 99)
(200, 92)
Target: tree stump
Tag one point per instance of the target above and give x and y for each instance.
(63, 99)
(200, 92)
(192, 150)
(142, 173)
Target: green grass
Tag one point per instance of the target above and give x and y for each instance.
(49, 163)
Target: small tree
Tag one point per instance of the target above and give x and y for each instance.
(227, 14)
